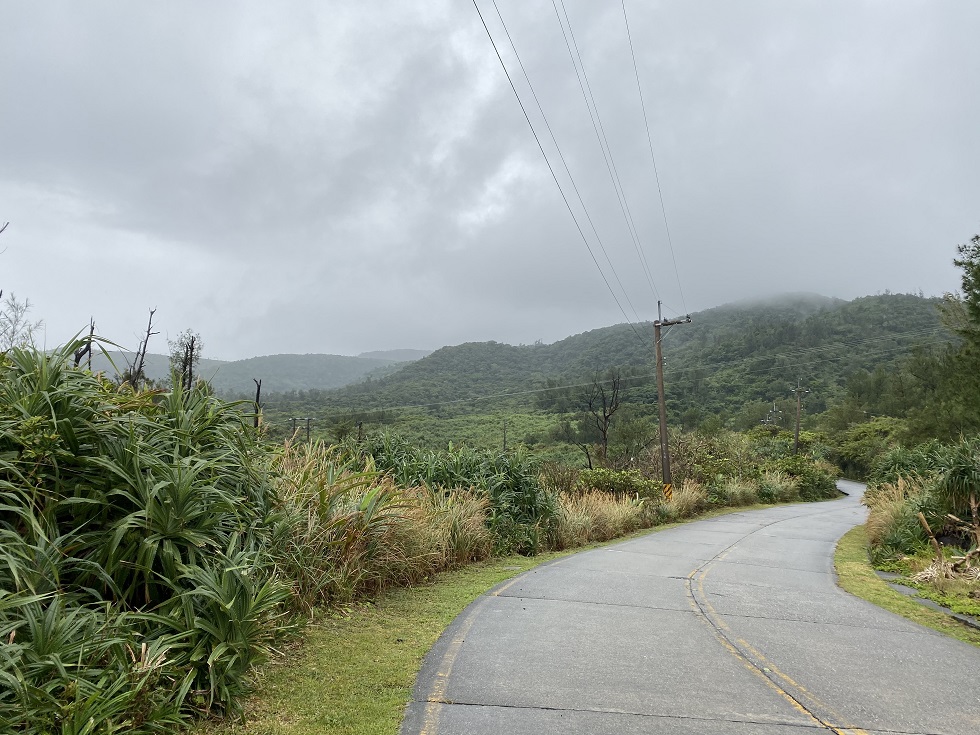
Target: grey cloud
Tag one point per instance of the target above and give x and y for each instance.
(340, 177)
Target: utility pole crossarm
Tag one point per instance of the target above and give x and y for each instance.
(672, 322)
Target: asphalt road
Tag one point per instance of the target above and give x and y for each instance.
(731, 625)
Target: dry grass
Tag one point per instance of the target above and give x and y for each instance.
(595, 516)
(688, 500)
(738, 492)
(886, 503)
(453, 525)
(353, 533)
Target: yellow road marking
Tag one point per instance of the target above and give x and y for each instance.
(793, 691)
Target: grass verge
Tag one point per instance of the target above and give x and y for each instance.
(856, 575)
(354, 669)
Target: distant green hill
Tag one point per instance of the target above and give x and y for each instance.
(278, 373)
(397, 355)
(730, 359)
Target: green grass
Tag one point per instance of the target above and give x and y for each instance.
(354, 669)
(856, 575)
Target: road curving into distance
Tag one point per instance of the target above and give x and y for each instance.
(725, 626)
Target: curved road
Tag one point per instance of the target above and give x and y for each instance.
(730, 625)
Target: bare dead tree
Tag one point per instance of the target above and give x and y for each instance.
(81, 352)
(258, 405)
(15, 327)
(602, 402)
(134, 370)
(185, 353)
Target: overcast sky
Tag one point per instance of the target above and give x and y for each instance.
(348, 176)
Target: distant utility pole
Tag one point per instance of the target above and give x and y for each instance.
(308, 420)
(800, 392)
(664, 451)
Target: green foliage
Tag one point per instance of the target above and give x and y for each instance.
(132, 525)
(521, 511)
(936, 480)
(774, 486)
(858, 447)
(814, 480)
(969, 262)
(901, 462)
(711, 458)
(958, 481)
(622, 482)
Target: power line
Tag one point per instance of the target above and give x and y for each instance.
(653, 158)
(604, 146)
(561, 156)
(551, 168)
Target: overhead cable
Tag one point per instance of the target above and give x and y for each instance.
(561, 156)
(653, 158)
(600, 132)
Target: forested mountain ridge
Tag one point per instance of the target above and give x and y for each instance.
(728, 358)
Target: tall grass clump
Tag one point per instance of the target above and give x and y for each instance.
(940, 481)
(733, 491)
(595, 515)
(892, 525)
(352, 531)
(135, 582)
(688, 499)
(815, 479)
(775, 486)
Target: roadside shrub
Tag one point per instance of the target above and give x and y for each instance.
(457, 524)
(886, 506)
(619, 482)
(814, 479)
(775, 486)
(557, 477)
(704, 458)
(734, 492)
(594, 515)
(520, 512)
(137, 519)
(688, 499)
(899, 462)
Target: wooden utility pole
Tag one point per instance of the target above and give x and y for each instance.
(308, 420)
(800, 392)
(664, 451)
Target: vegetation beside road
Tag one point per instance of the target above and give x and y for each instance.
(857, 576)
(155, 547)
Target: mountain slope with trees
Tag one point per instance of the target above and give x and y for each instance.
(730, 362)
